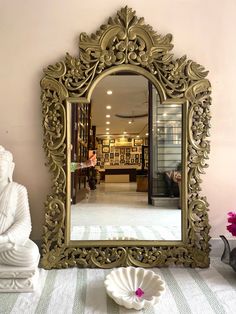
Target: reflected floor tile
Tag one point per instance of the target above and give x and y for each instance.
(116, 204)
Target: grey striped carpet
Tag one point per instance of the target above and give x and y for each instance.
(77, 291)
(96, 232)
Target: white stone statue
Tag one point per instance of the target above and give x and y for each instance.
(16, 249)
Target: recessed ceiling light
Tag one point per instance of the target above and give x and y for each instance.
(124, 132)
(107, 133)
(108, 107)
(130, 122)
(146, 134)
(108, 115)
(107, 122)
(107, 129)
(137, 136)
(109, 92)
(164, 114)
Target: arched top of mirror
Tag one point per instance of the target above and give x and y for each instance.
(126, 40)
(126, 43)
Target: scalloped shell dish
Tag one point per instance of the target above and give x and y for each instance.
(122, 285)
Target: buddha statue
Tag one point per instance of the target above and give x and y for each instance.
(16, 249)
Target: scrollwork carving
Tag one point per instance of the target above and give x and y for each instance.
(126, 40)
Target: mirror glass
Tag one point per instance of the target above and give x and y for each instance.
(134, 191)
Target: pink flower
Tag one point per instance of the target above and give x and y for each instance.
(232, 220)
(139, 292)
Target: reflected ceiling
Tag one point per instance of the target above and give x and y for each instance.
(129, 97)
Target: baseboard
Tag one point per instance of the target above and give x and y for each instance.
(217, 246)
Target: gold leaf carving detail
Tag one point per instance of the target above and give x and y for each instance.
(56, 71)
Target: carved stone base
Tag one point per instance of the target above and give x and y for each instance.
(18, 279)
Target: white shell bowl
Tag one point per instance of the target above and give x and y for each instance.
(122, 283)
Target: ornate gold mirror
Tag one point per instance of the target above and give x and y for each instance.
(178, 122)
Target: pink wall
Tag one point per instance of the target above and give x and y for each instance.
(36, 33)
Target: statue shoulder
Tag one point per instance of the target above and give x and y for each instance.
(18, 187)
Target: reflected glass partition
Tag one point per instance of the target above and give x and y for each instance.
(166, 152)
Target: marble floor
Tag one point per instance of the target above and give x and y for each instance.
(116, 210)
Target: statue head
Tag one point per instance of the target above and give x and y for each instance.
(6, 165)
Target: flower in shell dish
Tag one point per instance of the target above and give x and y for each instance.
(134, 288)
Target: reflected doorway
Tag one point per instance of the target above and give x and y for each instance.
(134, 190)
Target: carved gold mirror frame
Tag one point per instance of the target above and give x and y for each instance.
(125, 43)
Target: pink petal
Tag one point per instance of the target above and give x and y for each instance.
(139, 292)
(232, 219)
(232, 214)
(232, 229)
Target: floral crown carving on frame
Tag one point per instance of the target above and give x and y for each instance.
(126, 40)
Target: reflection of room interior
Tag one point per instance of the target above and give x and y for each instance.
(123, 159)
(121, 190)
(117, 210)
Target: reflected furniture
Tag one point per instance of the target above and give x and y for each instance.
(142, 183)
(79, 150)
(128, 172)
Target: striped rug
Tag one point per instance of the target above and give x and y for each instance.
(96, 232)
(77, 291)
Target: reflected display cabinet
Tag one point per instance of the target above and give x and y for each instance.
(79, 148)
